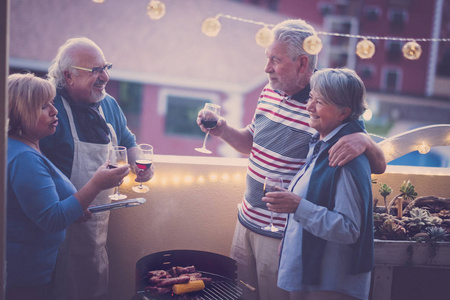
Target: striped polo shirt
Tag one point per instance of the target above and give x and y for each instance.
(281, 137)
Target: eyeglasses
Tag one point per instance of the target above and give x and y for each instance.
(97, 70)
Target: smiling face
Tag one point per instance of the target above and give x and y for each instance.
(283, 72)
(324, 116)
(82, 85)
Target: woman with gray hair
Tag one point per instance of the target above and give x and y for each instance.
(327, 249)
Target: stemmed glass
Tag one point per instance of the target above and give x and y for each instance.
(117, 157)
(144, 160)
(211, 113)
(270, 185)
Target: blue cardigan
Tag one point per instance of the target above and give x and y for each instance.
(321, 191)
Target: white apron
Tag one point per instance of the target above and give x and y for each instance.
(82, 267)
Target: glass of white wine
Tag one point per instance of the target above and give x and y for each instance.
(270, 185)
(144, 160)
(210, 116)
(117, 157)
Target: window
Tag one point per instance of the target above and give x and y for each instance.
(325, 9)
(373, 13)
(394, 50)
(397, 19)
(181, 109)
(391, 80)
(367, 71)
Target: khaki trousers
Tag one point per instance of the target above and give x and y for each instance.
(257, 259)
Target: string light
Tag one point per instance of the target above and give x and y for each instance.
(368, 114)
(211, 26)
(156, 9)
(365, 49)
(312, 44)
(412, 50)
(423, 148)
(264, 37)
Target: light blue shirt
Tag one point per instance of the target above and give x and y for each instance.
(340, 228)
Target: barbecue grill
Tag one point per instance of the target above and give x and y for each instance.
(221, 269)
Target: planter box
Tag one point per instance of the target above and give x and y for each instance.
(407, 253)
(389, 254)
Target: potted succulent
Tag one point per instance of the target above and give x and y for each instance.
(416, 226)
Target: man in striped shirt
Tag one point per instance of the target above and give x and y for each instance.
(277, 142)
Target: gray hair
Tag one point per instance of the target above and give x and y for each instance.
(65, 58)
(342, 88)
(293, 33)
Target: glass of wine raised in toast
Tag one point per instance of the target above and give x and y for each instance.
(210, 116)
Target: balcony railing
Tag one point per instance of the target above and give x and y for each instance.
(192, 204)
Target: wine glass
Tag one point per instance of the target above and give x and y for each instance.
(270, 185)
(117, 157)
(144, 160)
(211, 113)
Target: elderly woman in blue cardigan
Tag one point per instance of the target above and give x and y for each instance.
(327, 249)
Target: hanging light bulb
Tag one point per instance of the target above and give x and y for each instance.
(412, 50)
(365, 49)
(367, 115)
(98, 1)
(156, 9)
(264, 37)
(423, 148)
(312, 44)
(211, 27)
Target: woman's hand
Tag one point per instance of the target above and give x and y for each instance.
(282, 201)
(105, 178)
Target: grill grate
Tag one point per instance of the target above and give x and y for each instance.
(221, 269)
(221, 288)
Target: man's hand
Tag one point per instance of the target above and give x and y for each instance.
(350, 146)
(347, 148)
(216, 131)
(144, 175)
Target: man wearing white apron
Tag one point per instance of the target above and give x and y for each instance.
(90, 121)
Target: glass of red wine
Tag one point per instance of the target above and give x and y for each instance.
(270, 185)
(117, 156)
(211, 113)
(144, 160)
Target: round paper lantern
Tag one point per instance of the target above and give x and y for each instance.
(264, 37)
(312, 44)
(423, 148)
(156, 9)
(211, 27)
(365, 49)
(412, 50)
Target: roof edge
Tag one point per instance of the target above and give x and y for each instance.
(156, 79)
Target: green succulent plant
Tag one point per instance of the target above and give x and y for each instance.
(406, 191)
(390, 230)
(385, 191)
(420, 218)
(437, 233)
